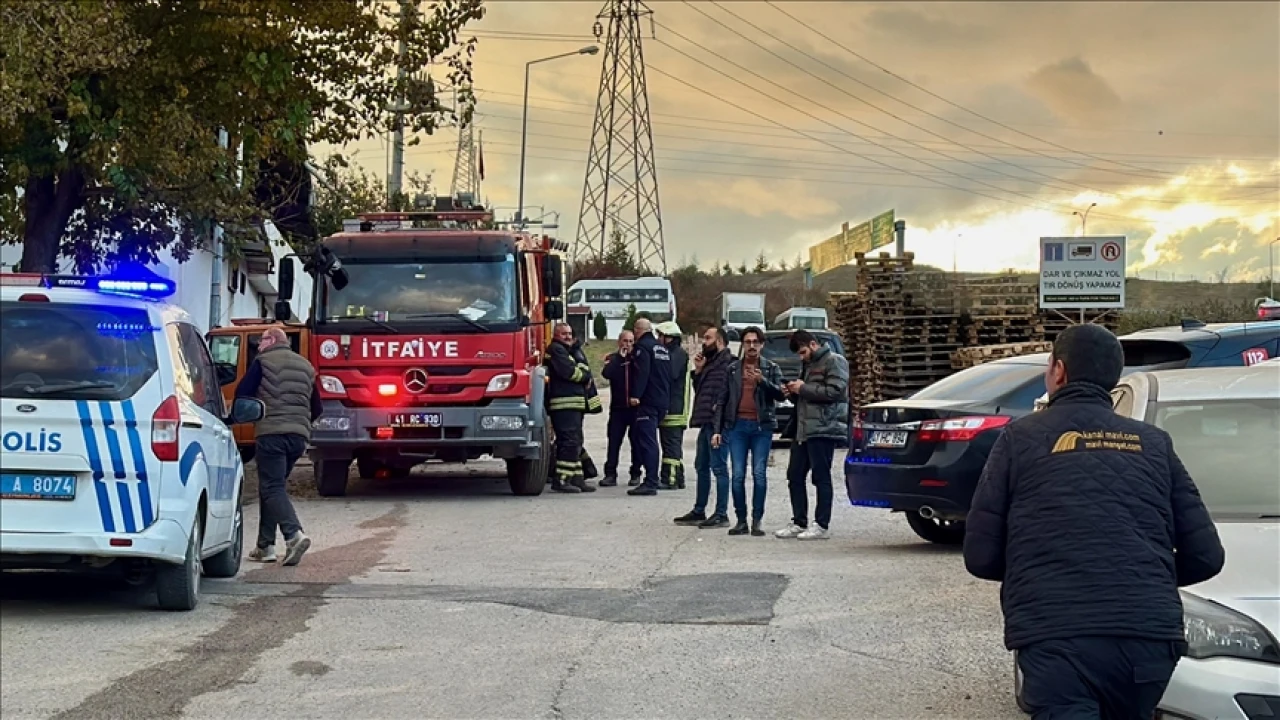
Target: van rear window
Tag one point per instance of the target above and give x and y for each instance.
(74, 352)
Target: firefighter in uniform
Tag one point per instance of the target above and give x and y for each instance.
(569, 382)
(594, 407)
(671, 427)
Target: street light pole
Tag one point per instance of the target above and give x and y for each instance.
(1271, 268)
(524, 121)
(1084, 218)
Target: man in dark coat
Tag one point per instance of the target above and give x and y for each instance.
(1091, 522)
(567, 391)
(650, 393)
(594, 407)
(710, 378)
(617, 370)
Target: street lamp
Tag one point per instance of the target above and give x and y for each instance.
(1271, 267)
(524, 122)
(1084, 217)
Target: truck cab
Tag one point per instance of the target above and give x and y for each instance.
(234, 349)
(428, 332)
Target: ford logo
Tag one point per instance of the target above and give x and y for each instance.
(26, 408)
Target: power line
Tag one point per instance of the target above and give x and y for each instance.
(877, 107)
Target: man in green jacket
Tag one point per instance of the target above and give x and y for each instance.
(822, 420)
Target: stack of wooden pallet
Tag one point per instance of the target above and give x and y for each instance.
(1055, 322)
(851, 318)
(970, 356)
(1000, 309)
(913, 324)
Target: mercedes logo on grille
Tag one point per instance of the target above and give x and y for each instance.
(415, 380)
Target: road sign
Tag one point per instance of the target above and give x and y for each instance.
(1082, 272)
(840, 249)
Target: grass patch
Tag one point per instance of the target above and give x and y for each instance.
(595, 352)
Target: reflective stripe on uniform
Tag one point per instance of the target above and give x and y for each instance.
(572, 402)
(594, 404)
(673, 462)
(568, 468)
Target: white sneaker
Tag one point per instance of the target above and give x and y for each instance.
(789, 532)
(263, 555)
(294, 548)
(815, 532)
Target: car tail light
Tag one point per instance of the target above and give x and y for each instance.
(165, 422)
(387, 390)
(855, 428)
(37, 297)
(960, 429)
(384, 433)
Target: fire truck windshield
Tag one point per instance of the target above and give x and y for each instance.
(467, 294)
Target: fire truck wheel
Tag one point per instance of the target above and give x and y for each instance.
(529, 477)
(331, 477)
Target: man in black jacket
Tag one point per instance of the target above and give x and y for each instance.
(1092, 523)
(567, 394)
(746, 424)
(617, 370)
(672, 426)
(650, 392)
(710, 375)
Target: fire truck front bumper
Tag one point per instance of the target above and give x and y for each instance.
(502, 429)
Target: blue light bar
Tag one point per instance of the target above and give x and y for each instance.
(135, 281)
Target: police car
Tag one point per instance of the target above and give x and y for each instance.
(117, 451)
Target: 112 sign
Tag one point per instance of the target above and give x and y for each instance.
(1253, 356)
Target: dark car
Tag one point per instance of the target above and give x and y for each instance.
(777, 347)
(923, 455)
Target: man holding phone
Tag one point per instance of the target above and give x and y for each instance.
(710, 375)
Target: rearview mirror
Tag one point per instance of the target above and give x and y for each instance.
(554, 310)
(553, 276)
(246, 410)
(285, 279)
(283, 311)
(339, 278)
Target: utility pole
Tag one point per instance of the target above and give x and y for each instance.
(1084, 218)
(396, 176)
(620, 192)
(466, 176)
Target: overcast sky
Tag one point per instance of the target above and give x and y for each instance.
(984, 126)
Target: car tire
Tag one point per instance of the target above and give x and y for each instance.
(331, 477)
(178, 586)
(528, 476)
(1017, 686)
(226, 564)
(939, 532)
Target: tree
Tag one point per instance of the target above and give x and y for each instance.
(599, 326)
(111, 112)
(630, 322)
(617, 257)
(344, 191)
(783, 266)
(726, 269)
(762, 263)
(742, 268)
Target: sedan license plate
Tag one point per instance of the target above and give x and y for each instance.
(888, 438)
(38, 487)
(416, 419)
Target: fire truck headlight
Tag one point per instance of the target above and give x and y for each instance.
(500, 383)
(332, 385)
(502, 422)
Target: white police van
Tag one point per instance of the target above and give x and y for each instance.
(116, 448)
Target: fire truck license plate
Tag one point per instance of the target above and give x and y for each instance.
(417, 419)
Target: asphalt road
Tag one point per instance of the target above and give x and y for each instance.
(442, 596)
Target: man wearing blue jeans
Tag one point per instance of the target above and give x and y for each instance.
(753, 387)
(710, 373)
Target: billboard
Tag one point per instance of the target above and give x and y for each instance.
(840, 249)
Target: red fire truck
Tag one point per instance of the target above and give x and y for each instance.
(427, 335)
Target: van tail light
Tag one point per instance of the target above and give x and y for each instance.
(165, 422)
(960, 429)
(855, 428)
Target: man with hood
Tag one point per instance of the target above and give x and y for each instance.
(569, 383)
(710, 375)
(650, 393)
(671, 428)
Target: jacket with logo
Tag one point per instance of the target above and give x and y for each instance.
(651, 375)
(822, 405)
(681, 388)
(768, 392)
(568, 379)
(286, 384)
(1092, 524)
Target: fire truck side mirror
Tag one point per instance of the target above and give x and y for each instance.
(554, 310)
(553, 276)
(285, 280)
(339, 278)
(283, 312)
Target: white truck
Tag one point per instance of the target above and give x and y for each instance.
(739, 311)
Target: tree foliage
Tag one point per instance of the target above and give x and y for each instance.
(630, 323)
(344, 191)
(599, 326)
(110, 112)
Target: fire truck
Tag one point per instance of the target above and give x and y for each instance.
(427, 335)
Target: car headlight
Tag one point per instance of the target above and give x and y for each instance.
(501, 422)
(1214, 630)
(332, 385)
(500, 383)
